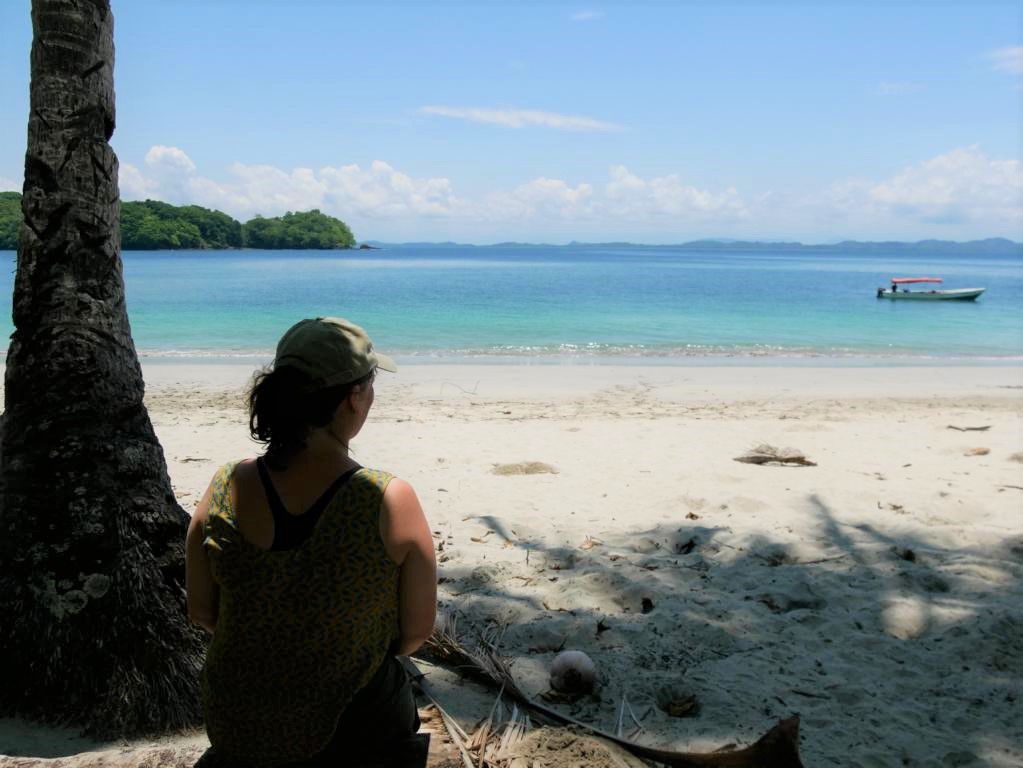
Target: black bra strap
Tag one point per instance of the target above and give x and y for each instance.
(291, 530)
(272, 498)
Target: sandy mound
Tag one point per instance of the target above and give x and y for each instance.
(567, 748)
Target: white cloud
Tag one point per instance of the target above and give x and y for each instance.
(630, 196)
(260, 189)
(519, 118)
(377, 191)
(382, 191)
(959, 194)
(897, 88)
(1007, 59)
(133, 185)
(963, 186)
(541, 198)
(171, 158)
(587, 15)
(8, 185)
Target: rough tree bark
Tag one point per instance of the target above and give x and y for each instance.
(92, 622)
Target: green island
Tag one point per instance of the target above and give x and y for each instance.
(152, 225)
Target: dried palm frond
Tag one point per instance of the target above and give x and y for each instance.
(778, 748)
(481, 660)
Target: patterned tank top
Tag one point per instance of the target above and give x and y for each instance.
(299, 631)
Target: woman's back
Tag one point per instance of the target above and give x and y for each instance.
(311, 572)
(299, 631)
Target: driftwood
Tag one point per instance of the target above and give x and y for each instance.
(970, 429)
(778, 748)
(768, 454)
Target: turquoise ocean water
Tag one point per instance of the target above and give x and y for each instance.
(555, 303)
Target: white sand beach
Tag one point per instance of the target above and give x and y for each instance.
(878, 594)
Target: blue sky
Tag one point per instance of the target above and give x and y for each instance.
(552, 121)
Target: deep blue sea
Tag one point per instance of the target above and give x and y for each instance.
(555, 303)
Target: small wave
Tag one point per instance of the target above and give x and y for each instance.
(593, 352)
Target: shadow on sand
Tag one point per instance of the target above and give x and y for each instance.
(892, 649)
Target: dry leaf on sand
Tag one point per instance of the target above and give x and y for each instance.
(525, 468)
(769, 454)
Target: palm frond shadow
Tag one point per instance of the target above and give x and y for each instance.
(873, 637)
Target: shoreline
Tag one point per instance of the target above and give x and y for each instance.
(430, 379)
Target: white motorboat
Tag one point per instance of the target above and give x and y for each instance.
(954, 294)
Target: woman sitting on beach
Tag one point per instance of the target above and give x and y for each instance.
(311, 571)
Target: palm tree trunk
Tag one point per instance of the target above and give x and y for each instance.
(92, 621)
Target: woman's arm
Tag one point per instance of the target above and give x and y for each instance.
(199, 584)
(407, 539)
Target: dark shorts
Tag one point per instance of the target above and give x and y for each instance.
(382, 714)
(377, 730)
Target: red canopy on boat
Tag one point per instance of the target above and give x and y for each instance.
(899, 280)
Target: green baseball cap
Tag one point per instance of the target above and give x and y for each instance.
(331, 350)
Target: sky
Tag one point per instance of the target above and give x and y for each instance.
(647, 121)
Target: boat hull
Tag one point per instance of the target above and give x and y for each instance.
(960, 294)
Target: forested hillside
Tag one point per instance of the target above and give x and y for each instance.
(152, 225)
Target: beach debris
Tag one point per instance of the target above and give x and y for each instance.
(769, 454)
(480, 539)
(775, 557)
(525, 468)
(676, 701)
(976, 452)
(692, 516)
(555, 607)
(1017, 457)
(985, 428)
(778, 748)
(590, 543)
(573, 672)
(905, 553)
(602, 625)
(808, 694)
(685, 547)
(625, 705)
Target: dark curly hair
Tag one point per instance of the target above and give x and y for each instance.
(282, 409)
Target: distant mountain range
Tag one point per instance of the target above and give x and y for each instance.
(991, 246)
